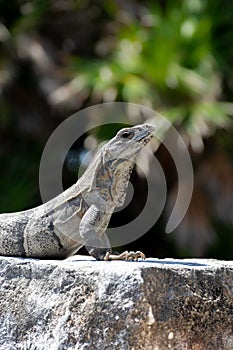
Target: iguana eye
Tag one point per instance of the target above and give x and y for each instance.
(127, 135)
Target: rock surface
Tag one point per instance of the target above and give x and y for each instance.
(82, 304)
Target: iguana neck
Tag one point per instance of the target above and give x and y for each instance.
(111, 175)
(120, 180)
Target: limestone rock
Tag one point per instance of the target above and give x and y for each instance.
(83, 304)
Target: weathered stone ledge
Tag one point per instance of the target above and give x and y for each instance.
(82, 304)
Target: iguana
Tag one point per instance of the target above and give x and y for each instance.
(80, 215)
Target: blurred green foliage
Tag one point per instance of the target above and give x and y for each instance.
(58, 56)
(165, 59)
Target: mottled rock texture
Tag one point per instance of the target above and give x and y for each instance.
(84, 304)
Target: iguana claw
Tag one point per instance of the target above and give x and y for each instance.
(125, 256)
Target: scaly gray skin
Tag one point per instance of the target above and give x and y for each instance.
(80, 215)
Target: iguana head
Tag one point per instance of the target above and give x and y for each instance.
(128, 142)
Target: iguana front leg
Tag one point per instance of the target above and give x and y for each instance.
(92, 230)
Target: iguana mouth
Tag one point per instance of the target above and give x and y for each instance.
(144, 139)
